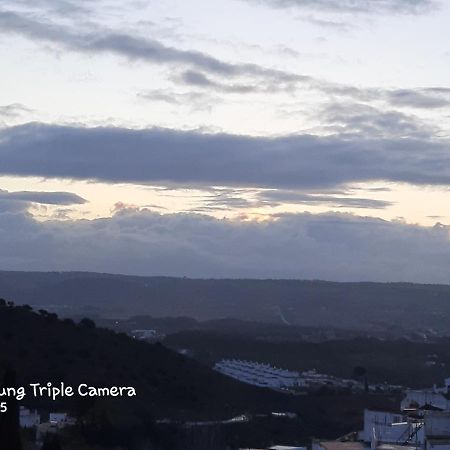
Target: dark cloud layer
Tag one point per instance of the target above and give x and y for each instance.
(161, 156)
(47, 198)
(22, 201)
(334, 247)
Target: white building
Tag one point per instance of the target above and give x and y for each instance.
(382, 426)
(57, 418)
(336, 445)
(28, 418)
(284, 447)
(422, 423)
(438, 444)
(146, 335)
(277, 447)
(383, 430)
(434, 398)
(61, 420)
(437, 424)
(56, 422)
(258, 374)
(265, 375)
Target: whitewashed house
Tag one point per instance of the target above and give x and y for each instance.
(29, 418)
(61, 420)
(383, 426)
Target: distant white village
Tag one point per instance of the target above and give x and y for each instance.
(265, 375)
(56, 422)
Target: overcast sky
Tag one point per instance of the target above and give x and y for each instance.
(226, 138)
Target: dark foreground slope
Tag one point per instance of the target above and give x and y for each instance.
(369, 306)
(42, 348)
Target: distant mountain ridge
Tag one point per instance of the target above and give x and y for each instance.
(355, 305)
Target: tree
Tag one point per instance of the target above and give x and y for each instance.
(9, 420)
(87, 323)
(361, 372)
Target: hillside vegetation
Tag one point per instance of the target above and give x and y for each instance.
(364, 306)
(170, 388)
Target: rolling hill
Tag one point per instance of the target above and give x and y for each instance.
(365, 306)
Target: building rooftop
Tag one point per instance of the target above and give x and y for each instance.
(336, 445)
(395, 447)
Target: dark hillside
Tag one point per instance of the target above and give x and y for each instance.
(410, 364)
(42, 348)
(402, 307)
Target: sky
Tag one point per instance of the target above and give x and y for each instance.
(301, 139)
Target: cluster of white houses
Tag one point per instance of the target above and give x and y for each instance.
(265, 375)
(56, 421)
(147, 335)
(421, 423)
(259, 374)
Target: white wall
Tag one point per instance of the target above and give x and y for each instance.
(377, 421)
(424, 398)
(437, 424)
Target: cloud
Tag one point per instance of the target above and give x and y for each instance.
(329, 246)
(333, 25)
(47, 198)
(95, 40)
(295, 197)
(428, 98)
(225, 199)
(162, 95)
(195, 101)
(58, 7)
(266, 86)
(162, 156)
(200, 80)
(355, 6)
(419, 98)
(13, 110)
(347, 117)
(207, 72)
